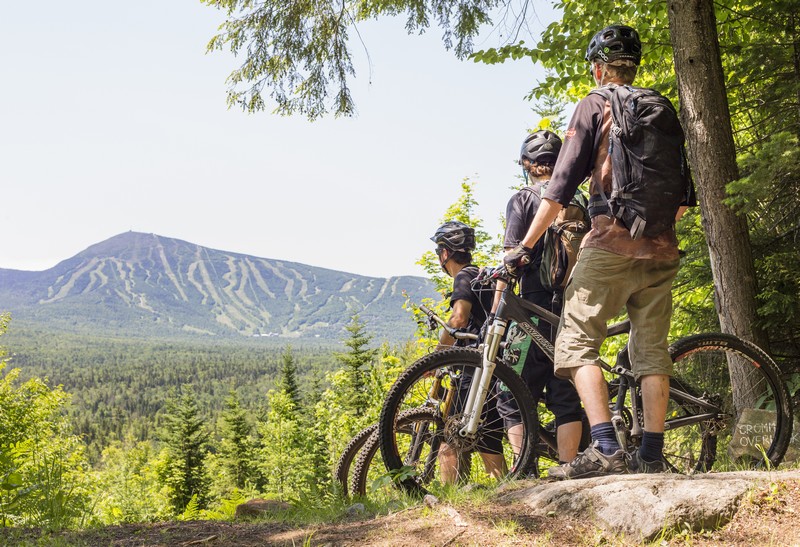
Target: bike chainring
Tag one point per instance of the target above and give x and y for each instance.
(453, 438)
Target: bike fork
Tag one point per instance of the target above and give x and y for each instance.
(482, 379)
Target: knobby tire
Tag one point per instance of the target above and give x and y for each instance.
(415, 421)
(345, 463)
(701, 368)
(411, 390)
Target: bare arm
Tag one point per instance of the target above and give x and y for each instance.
(458, 319)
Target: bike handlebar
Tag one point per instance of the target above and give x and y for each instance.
(458, 334)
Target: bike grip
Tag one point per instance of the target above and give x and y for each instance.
(425, 309)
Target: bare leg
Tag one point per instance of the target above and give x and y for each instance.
(448, 464)
(515, 436)
(593, 391)
(655, 398)
(568, 438)
(495, 465)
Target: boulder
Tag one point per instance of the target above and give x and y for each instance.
(643, 506)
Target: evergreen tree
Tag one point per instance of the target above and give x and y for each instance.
(288, 380)
(318, 476)
(315, 386)
(236, 448)
(282, 460)
(185, 441)
(357, 362)
(552, 111)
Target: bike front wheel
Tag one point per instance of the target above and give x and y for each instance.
(727, 405)
(503, 446)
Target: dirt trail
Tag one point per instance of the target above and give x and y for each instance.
(769, 516)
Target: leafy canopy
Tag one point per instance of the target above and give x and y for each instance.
(299, 53)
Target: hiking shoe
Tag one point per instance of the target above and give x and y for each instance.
(640, 465)
(592, 463)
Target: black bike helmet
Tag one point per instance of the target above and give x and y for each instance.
(540, 147)
(613, 43)
(456, 236)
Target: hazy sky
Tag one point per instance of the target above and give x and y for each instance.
(113, 118)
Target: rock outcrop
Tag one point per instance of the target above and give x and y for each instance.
(643, 506)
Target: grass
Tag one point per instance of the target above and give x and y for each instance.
(507, 527)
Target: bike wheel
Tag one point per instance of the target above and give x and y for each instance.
(342, 471)
(419, 425)
(415, 388)
(727, 403)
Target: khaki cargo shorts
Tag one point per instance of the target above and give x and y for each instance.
(602, 285)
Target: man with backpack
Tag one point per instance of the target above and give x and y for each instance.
(541, 283)
(639, 187)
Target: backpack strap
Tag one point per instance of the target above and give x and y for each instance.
(604, 91)
(596, 207)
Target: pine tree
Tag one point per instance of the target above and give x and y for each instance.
(184, 437)
(288, 380)
(357, 363)
(318, 476)
(236, 447)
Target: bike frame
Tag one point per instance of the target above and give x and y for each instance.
(508, 309)
(512, 307)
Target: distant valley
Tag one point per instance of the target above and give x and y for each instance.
(136, 284)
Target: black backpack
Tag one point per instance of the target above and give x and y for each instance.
(650, 174)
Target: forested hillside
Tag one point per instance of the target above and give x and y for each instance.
(136, 284)
(120, 387)
(154, 431)
(136, 389)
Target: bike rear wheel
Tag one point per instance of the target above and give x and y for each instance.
(414, 389)
(418, 426)
(344, 467)
(737, 387)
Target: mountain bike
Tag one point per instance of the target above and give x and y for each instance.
(356, 470)
(707, 421)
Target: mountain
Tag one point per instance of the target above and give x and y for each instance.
(145, 284)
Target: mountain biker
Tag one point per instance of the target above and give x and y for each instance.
(613, 271)
(537, 158)
(455, 242)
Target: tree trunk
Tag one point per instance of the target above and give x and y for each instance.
(712, 154)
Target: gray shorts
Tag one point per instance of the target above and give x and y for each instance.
(602, 285)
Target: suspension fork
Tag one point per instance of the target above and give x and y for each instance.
(482, 379)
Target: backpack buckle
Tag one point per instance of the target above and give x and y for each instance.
(637, 227)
